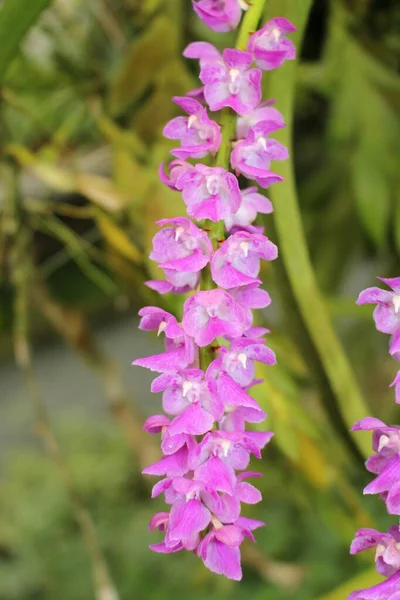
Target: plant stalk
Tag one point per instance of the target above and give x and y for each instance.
(228, 124)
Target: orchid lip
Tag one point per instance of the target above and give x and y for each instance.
(234, 74)
(276, 34)
(226, 446)
(186, 387)
(191, 121)
(162, 327)
(178, 233)
(245, 247)
(234, 83)
(262, 142)
(383, 441)
(212, 185)
(380, 549)
(212, 311)
(216, 522)
(242, 358)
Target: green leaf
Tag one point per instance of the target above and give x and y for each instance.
(96, 188)
(368, 131)
(16, 17)
(143, 62)
(372, 193)
(78, 251)
(117, 238)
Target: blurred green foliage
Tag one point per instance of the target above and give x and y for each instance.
(82, 106)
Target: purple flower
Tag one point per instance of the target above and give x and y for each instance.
(270, 47)
(264, 112)
(251, 204)
(237, 261)
(215, 493)
(387, 311)
(193, 399)
(219, 549)
(215, 460)
(154, 318)
(199, 135)
(176, 167)
(246, 492)
(220, 15)
(187, 519)
(250, 297)
(194, 506)
(160, 521)
(385, 463)
(198, 94)
(210, 314)
(181, 247)
(238, 360)
(228, 79)
(225, 507)
(220, 552)
(175, 283)
(387, 554)
(387, 590)
(156, 424)
(236, 418)
(189, 513)
(173, 465)
(209, 192)
(233, 449)
(170, 444)
(252, 156)
(203, 51)
(180, 348)
(233, 396)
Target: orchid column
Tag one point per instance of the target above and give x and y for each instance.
(207, 368)
(385, 463)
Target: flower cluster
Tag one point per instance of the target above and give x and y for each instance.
(385, 462)
(208, 364)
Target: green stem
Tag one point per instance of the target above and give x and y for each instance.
(293, 246)
(228, 117)
(228, 125)
(16, 17)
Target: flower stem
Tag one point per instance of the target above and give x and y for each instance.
(228, 124)
(250, 23)
(228, 116)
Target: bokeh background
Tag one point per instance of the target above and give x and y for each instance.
(86, 87)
